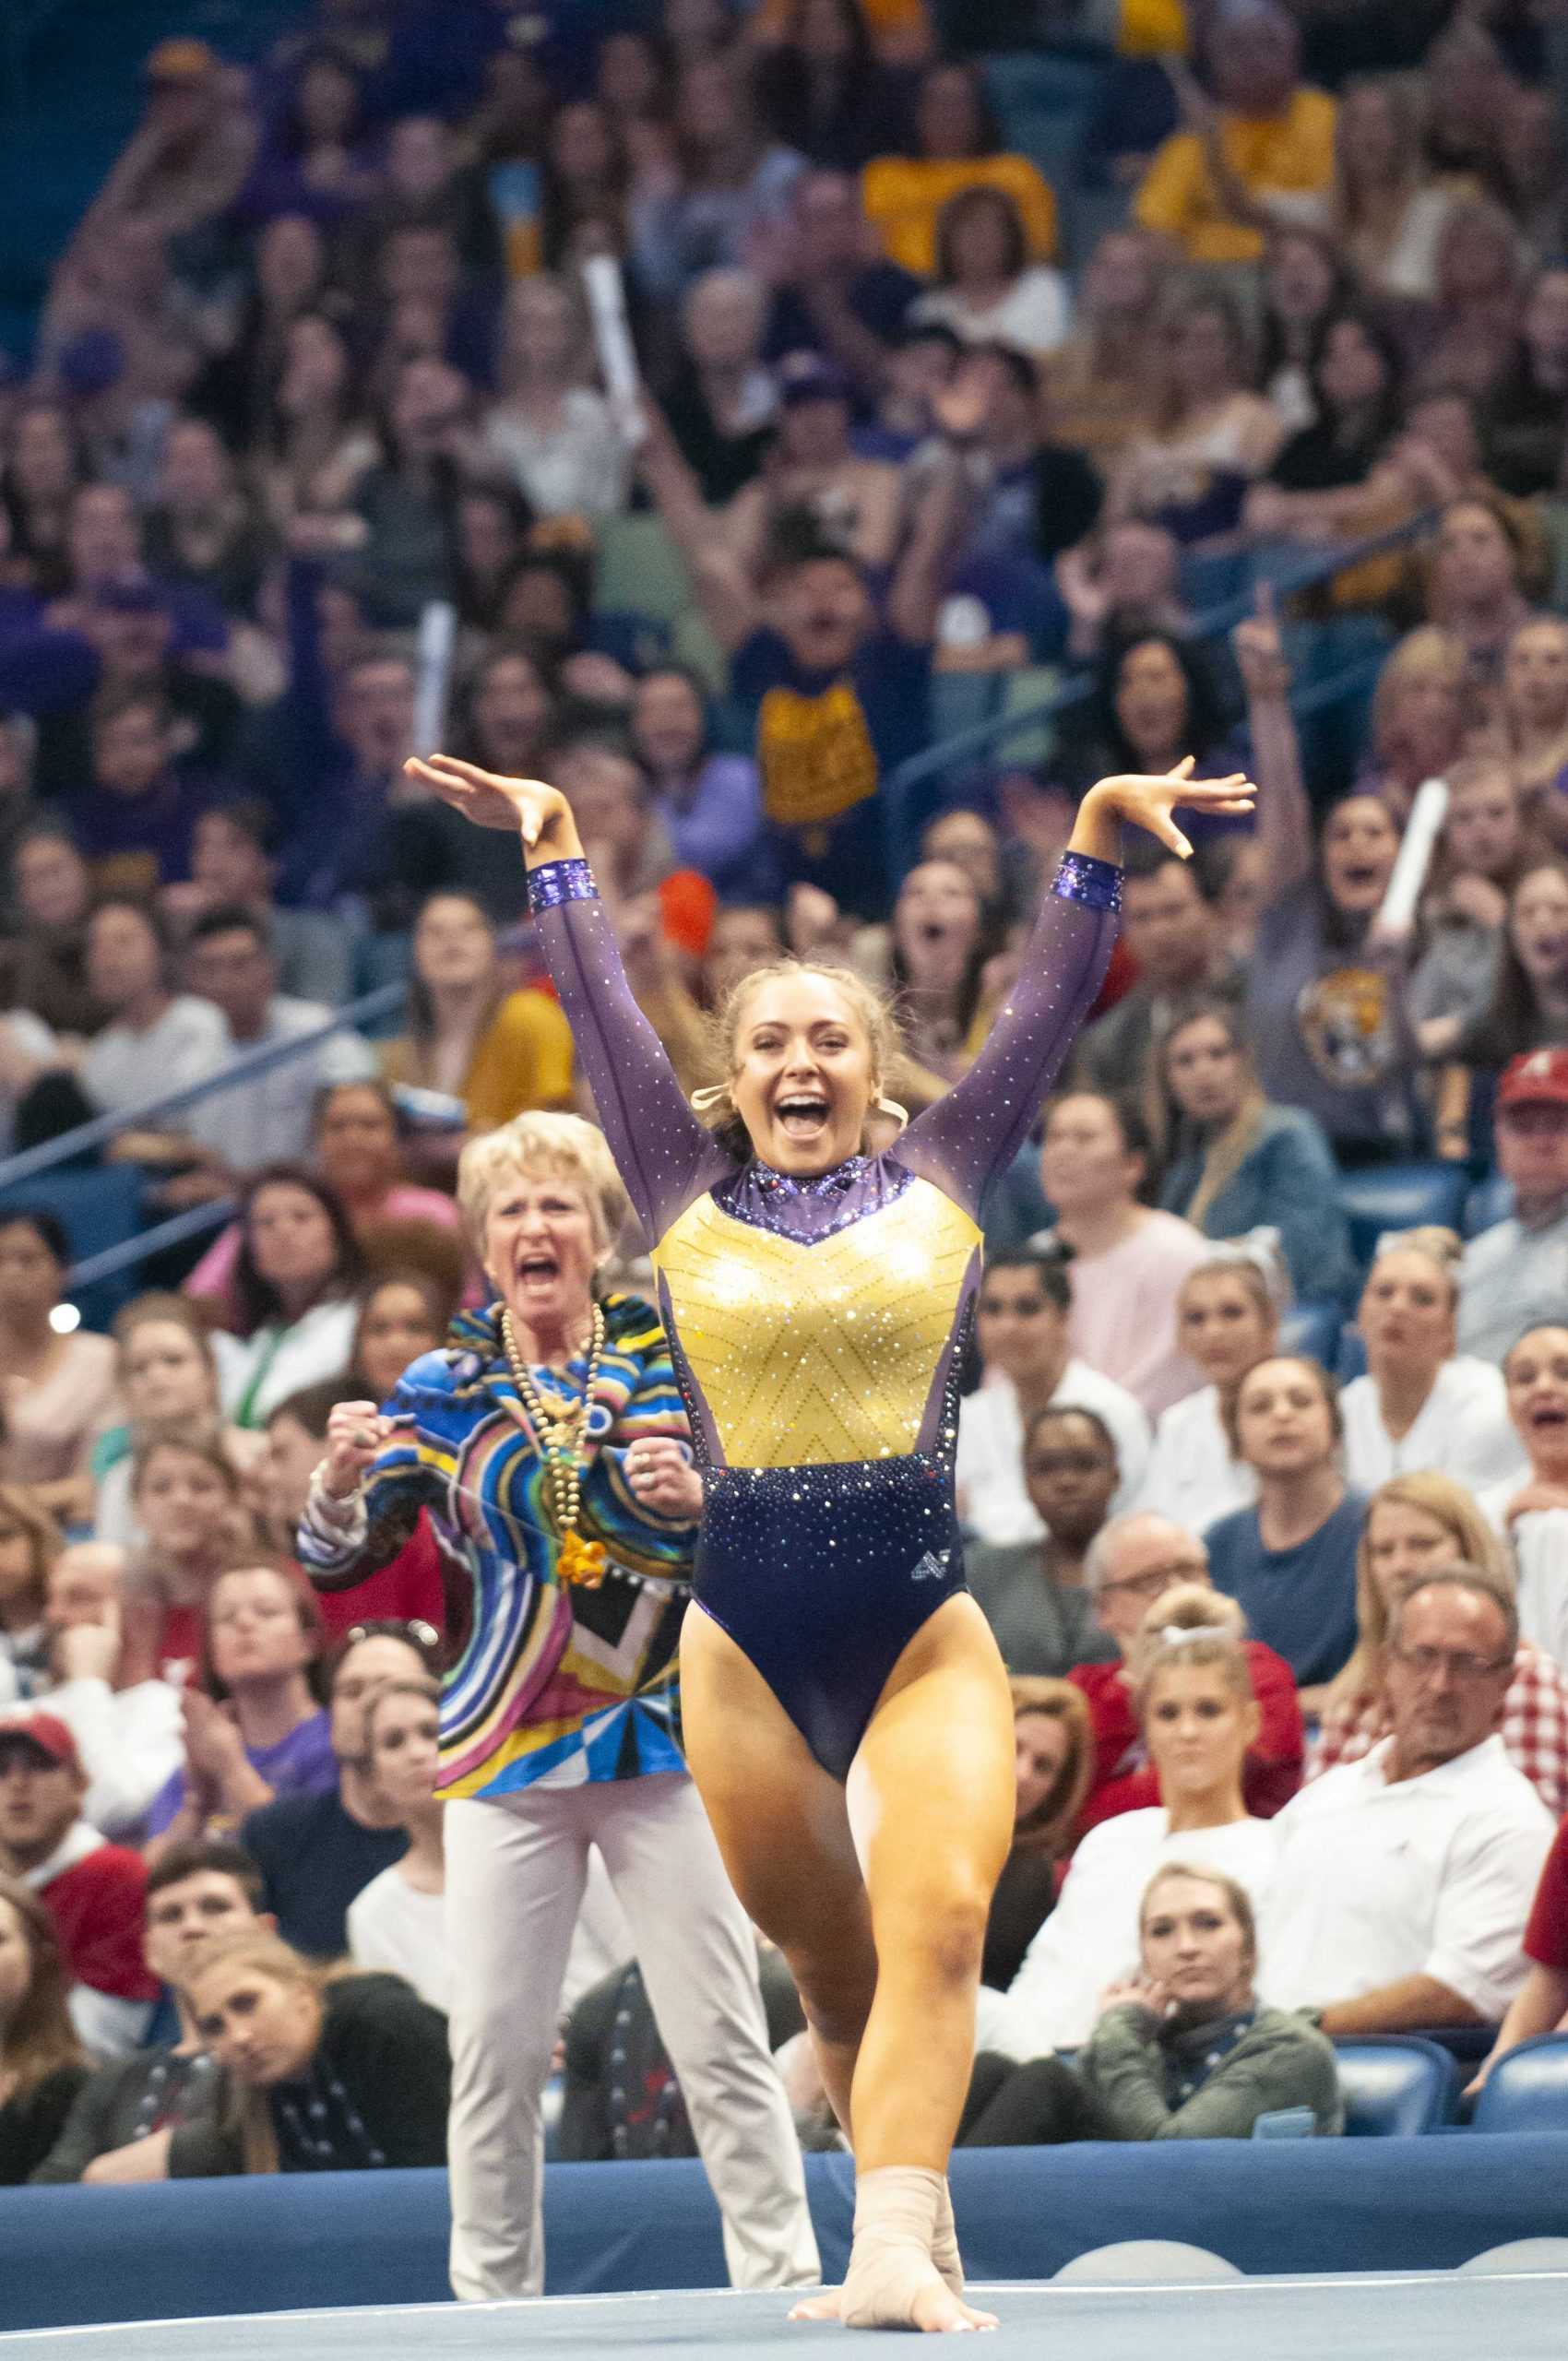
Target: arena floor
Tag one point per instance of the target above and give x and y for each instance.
(1440, 2317)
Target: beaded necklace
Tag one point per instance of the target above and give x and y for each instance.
(561, 1430)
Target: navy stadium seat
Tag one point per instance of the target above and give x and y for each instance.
(1527, 2091)
(1313, 1328)
(1395, 2085)
(1491, 1201)
(1400, 1196)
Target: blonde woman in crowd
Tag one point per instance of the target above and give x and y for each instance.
(1226, 1318)
(1421, 1403)
(1415, 1523)
(1199, 1716)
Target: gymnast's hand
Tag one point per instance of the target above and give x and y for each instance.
(661, 1473)
(524, 807)
(1149, 802)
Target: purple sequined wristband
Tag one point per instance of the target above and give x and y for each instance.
(554, 881)
(1081, 878)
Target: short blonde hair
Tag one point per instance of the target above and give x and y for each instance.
(565, 1146)
(1427, 653)
(1449, 1504)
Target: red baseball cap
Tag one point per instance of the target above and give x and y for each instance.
(1539, 1078)
(46, 1733)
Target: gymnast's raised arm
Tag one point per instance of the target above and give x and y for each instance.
(972, 1133)
(665, 1156)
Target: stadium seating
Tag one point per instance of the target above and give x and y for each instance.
(1400, 1196)
(1528, 2090)
(1395, 2085)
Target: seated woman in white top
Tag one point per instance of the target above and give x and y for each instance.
(1199, 1717)
(1421, 1404)
(1227, 1319)
(1130, 1259)
(1531, 1511)
(299, 1269)
(1021, 1332)
(987, 291)
(398, 1921)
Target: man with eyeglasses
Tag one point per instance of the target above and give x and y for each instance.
(1131, 1563)
(1405, 1880)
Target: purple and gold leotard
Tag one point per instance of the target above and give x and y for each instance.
(817, 1324)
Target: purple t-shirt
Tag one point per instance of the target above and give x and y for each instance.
(301, 1764)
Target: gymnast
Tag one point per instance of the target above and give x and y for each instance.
(846, 1715)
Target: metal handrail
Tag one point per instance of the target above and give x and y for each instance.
(981, 736)
(366, 1010)
(194, 1222)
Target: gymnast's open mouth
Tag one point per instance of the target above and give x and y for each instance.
(801, 1114)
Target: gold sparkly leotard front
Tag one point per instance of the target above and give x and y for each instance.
(817, 1324)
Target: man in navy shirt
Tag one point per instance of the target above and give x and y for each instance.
(315, 1853)
(838, 687)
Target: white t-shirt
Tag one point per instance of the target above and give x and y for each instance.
(1539, 1544)
(993, 1503)
(1191, 1477)
(1091, 1938)
(1431, 1876)
(267, 1118)
(394, 1927)
(122, 1068)
(1036, 314)
(1463, 1429)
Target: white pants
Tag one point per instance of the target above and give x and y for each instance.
(515, 1869)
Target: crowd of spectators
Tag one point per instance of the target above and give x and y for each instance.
(320, 456)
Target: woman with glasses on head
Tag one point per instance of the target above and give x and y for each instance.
(548, 1444)
(1415, 1523)
(1199, 1716)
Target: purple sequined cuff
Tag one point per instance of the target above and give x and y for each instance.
(554, 881)
(1081, 878)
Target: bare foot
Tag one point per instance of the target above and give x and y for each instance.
(932, 2308)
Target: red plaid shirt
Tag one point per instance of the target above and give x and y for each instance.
(1535, 1728)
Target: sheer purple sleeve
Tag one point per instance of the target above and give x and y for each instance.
(665, 1156)
(973, 1134)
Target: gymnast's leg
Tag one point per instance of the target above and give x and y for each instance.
(931, 1795)
(783, 1832)
(931, 1798)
